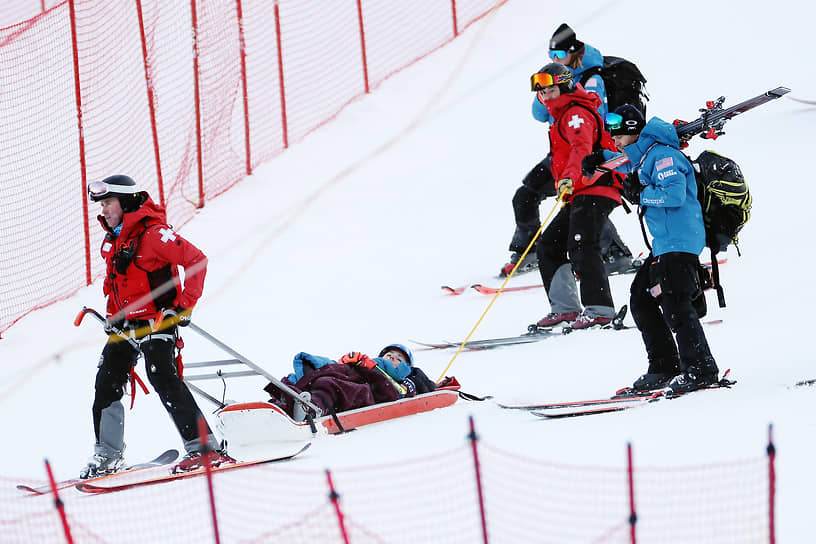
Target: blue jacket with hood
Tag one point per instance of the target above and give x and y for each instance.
(595, 84)
(669, 195)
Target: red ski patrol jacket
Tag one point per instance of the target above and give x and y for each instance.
(576, 130)
(145, 256)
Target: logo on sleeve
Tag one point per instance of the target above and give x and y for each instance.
(664, 163)
(167, 235)
(576, 121)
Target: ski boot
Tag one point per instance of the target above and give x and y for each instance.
(529, 264)
(100, 465)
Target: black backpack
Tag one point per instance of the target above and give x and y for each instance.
(726, 203)
(624, 83)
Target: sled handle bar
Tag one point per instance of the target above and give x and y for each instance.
(258, 370)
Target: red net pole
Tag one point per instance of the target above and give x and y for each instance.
(455, 24)
(81, 131)
(632, 511)
(473, 438)
(151, 102)
(203, 436)
(363, 44)
(334, 496)
(280, 77)
(771, 487)
(197, 96)
(58, 503)
(242, 46)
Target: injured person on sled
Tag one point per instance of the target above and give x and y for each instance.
(354, 381)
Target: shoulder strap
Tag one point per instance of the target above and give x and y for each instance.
(715, 277)
(589, 72)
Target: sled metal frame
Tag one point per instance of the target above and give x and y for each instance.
(254, 369)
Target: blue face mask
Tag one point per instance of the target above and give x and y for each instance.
(399, 372)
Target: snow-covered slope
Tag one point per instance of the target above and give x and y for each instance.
(343, 242)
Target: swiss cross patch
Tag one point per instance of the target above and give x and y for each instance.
(576, 121)
(167, 235)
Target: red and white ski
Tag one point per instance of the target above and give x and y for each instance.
(624, 399)
(110, 486)
(163, 459)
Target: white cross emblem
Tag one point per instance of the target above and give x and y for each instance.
(167, 234)
(576, 122)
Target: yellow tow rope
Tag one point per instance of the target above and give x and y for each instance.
(558, 204)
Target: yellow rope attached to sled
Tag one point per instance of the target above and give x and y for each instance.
(558, 204)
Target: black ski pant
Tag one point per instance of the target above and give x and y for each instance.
(574, 236)
(662, 300)
(537, 185)
(118, 357)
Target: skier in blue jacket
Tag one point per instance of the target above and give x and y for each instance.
(666, 294)
(538, 184)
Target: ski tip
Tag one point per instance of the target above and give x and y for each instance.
(29, 489)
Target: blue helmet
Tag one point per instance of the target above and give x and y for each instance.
(401, 348)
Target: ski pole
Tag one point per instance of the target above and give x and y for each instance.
(558, 204)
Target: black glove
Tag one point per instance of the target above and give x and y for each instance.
(177, 316)
(410, 388)
(113, 327)
(591, 162)
(631, 188)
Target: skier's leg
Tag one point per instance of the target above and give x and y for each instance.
(676, 273)
(117, 359)
(657, 337)
(535, 187)
(617, 258)
(176, 398)
(588, 216)
(555, 269)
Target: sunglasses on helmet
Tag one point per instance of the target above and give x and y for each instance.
(613, 121)
(541, 80)
(98, 190)
(558, 54)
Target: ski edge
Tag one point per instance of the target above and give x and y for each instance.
(165, 458)
(87, 487)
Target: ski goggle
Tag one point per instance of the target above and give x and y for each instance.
(541, 80)
(98, 190)
(558, 54)
(613, 120)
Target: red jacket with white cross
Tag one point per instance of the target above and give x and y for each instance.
(573, 135)
(142, 266)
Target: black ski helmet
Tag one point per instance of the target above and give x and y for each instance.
(122, 187)
(631, 121)
(564, 39)
(559, 75)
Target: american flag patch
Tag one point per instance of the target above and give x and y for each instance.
(664, 163)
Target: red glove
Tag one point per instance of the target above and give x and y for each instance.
(350, 358)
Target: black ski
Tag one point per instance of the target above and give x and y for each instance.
(489, 343)
(709, 125)
(534, 334)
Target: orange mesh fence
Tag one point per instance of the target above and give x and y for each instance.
(428, 499)
(185, 97)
